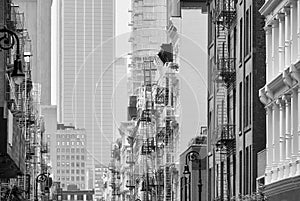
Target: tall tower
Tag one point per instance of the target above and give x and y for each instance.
(85, 54)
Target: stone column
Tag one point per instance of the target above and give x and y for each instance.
(287, 36)
(298, 28)
(282, 129)
(281, 47)
(293, 37)
(275, 43)
(269, 120)
(294, 123)
(275, 139)
(288, 142)
(269, 72)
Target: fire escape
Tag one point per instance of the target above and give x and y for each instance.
(224, 18)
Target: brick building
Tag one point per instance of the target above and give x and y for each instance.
(236, 71)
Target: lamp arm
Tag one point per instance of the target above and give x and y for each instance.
(10, 45)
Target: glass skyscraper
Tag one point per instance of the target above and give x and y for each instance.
(86, 30)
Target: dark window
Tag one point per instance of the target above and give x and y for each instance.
(79, 197)
(241, 40)
(246, 175)
(241, 171)
(247, 34)
(240, 107)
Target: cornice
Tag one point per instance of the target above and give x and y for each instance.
(282, 186)
(268, 7)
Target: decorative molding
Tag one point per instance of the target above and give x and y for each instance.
(262, 96)
(286, 77)
(295, 73)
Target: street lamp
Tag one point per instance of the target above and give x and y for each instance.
(7, 42)
(41, 178)
(190, 156)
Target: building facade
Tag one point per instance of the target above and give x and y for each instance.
(68, 152)
(149, 22)
(85, 72)
(236, 71)
(38, 24)
(280, 96)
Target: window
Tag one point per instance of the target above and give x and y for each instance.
(67, 164)
(77, 171)
(77, 178)
(72, 157)
(63, 150)
(73, 150)
(72, 171)
(78, 143)
(82, 164)
(68, 136)
(77, 157)
(247, 101)
(67, 157)
(82, 150)
(58, 171)
(58, 157)
(72, 143)
(67, 150)
(82, 157)
(246, 175)
(82, 178)
(82, 136)
(58, 164)
(72, 164)
(58, 150)
(63, 171)
(241, 171)
(77, 150)
(241, 40)
(247, 34)
(58, 143)
(77, 164)
(72, 178)
(240, 106)
(63, 164)
(82, 171)
(82, 143)
(68, 143)
(67, 171)
(63, 143)
(62, 157)
(68, 178)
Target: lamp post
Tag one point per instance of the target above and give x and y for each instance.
(7, 42)
(41, 178)
(190, 157)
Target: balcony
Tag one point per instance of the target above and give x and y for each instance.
(225, 135)
(226, 69)
(225, 12)
(148, 146)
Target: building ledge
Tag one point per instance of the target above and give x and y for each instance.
(269, 6)
(282, 186)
